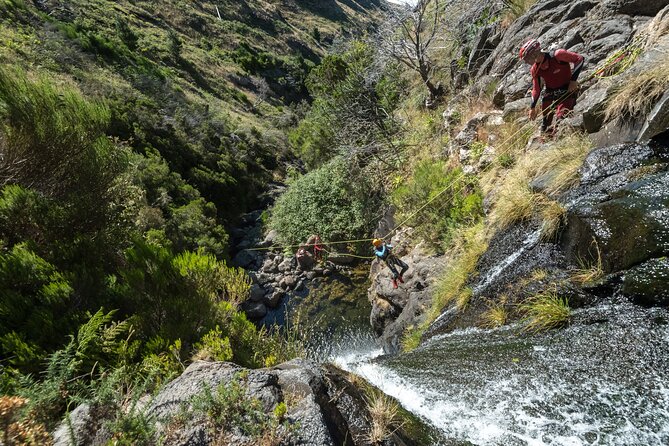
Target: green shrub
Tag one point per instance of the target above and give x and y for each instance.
(546, 310)
(229, 407)
(455, 199)
(325, 202)
(36, 296)
(214, 346)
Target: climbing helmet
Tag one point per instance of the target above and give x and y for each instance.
(377, 242)
(528, 48)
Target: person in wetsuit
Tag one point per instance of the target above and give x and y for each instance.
(384, 252)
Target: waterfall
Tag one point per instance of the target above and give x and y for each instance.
(604, 380)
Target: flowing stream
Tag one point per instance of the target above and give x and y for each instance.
(604, 380)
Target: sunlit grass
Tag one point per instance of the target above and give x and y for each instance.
(468, 246)
(384, 419)
(589, 273)
(495, 316)
(553, 216)
(637, 94)
(545, 310)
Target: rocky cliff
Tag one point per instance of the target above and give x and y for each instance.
(616, 216)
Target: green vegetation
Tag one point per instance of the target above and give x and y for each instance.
(350, 115)
(326, 202)
(132, 136)
(384, 416)
(546, 310)
(454, 200)
(495, 316)
(637, 95)
(467, 247)
(229, 408)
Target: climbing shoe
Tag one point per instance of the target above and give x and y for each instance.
(394, 283)
(401, 279)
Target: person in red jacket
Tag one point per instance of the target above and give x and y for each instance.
(560, 78)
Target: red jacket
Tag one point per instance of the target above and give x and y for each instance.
(555, 71)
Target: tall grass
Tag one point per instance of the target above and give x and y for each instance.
(588, 273)
(514, 9)
(495, 316)
(545, 310)
(384, 419)
(468, 246)
(637, 95)
(514, 201)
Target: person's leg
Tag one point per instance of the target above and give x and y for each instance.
(391, 266)
(548, 112)
(404, 267)
(564, 109)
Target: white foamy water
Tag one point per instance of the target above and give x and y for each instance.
(600, 384)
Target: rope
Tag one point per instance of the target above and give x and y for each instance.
(526, 129)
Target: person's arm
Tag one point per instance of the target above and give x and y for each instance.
(536, 92)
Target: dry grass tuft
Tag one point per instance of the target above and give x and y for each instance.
(515, 201)
(589, 273)
(383, 411)
(514, 9)
(470, 245)
(553, 216)
(494, 317)
(636, 96)
(546, 310)
(564, 160)
(538, 275)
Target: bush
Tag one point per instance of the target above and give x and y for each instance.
(228, 408)
(455, 197)
(325, 202)
(546, 310)
(36, 297)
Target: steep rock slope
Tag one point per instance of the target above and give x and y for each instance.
(620, 204)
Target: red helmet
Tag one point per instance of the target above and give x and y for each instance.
(530, 46)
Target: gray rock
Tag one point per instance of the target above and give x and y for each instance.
(290, 281)
(269, 266)
(257, 293)
(270, 239)
(393, 310)
(244, 258)
(254, 310)
(657, 120)
(648, 283)
(633, 7)
(84, 427)
(591, 106)
(516, 108)
(272, 300)
(285, 265)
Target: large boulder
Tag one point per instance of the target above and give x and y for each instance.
(648, 283)
(393, 310)
(621, 212)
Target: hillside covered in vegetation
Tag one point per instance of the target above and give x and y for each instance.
(133, 136)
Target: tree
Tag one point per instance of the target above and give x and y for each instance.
(352, 114)
(409, 38)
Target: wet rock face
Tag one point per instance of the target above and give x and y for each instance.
(393, 310)
(648, 283)
(621, 212)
